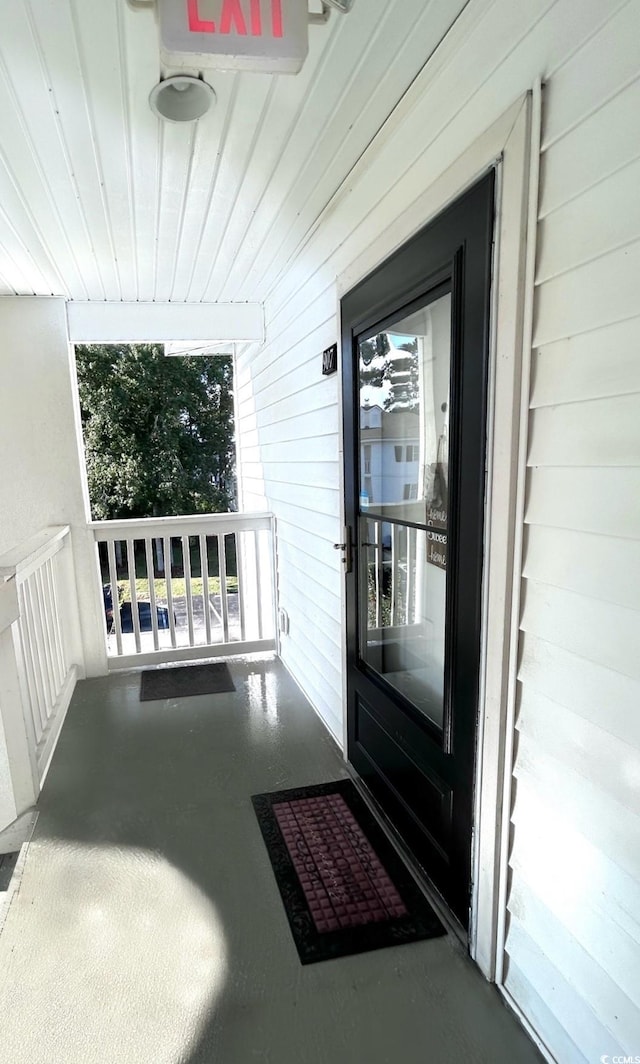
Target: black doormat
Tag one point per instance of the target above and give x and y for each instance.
(185, 681)
(344, 887)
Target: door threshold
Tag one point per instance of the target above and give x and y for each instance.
(421, 877)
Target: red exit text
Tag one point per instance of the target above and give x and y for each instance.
(243, 17)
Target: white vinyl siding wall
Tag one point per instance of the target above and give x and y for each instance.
(573, 941)
(288, 418)
(573, 926)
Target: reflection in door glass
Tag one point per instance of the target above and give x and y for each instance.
(404, 458)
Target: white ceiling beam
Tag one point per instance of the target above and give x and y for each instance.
(105, 323)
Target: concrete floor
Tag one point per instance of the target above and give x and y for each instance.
(148, 929)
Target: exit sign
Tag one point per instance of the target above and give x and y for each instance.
(265, 35)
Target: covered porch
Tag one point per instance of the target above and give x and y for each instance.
(146, 915)
(148, 925)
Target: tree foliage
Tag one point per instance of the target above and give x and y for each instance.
(404, 377)
(158, 431)
(397, 367)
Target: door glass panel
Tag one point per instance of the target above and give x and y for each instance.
(404, 457)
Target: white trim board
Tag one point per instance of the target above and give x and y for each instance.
(505, 145)
(507, 420)
(104, 323)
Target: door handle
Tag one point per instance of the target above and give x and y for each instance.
(347, 549)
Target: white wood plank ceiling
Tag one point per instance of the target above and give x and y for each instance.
(100, 200)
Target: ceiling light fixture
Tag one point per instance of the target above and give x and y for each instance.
(181, 98)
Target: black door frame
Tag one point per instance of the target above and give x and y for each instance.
(401, 280)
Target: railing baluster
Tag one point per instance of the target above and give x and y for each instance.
(131, 569)
(47, 637)
(61, 632)
(37, 629)
(409, 583)
(415, 600)
(168, 576)
(32, 640)
(186, 567)
(206, 602)
(50, 642)
(419, 571)
(115, 598)
(241, 599)
(47, 642)
(422, 575)
(222, 568)
(270, 537)
(42, 649)
(56, 626)
(256, 552)
(18, 656)
(27, 650)
(148, 553)
(378, 572)
(395, 555)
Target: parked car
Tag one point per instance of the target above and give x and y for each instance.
(144, 615)
(126, 614)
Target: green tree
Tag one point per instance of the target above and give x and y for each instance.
(158, 431)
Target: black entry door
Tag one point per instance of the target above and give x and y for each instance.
(415, 356)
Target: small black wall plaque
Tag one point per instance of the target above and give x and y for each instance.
(330, 360)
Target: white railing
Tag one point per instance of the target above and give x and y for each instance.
(389, 571)
(182, 588)
(36, 676)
